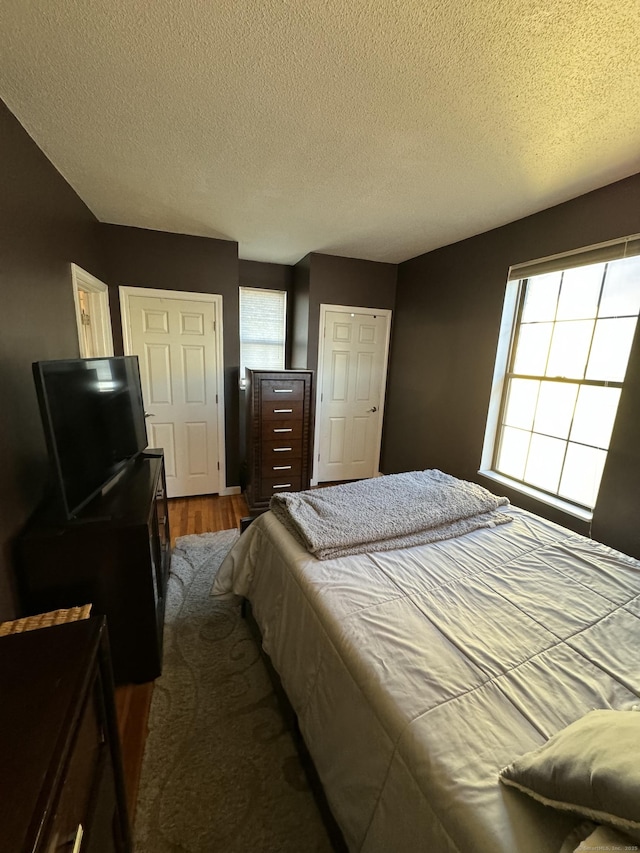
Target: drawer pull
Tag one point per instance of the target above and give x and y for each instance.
(78, 839)
(283, 429)
(281, 449)
(282, 411)
(283, 390)
(283, 486)
(281, 468)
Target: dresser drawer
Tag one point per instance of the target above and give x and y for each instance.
(277, 410)
(71, 812)
(282, 390)
(270, 486)
(284, 431)
(284, 468)
(282, 450)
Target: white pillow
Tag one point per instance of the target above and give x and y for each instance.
(591, 768)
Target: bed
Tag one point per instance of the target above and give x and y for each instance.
(417, 674)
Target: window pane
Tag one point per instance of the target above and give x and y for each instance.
(580, 292)
(595, 415)
(545, 462)
(514, 445)
(570, 349)
(621, 292)
(582, 473)
(521, 404)
(541, 297)
(556, 403)
(533, 347)
(262, 328)
(610, 349)
(572, 338)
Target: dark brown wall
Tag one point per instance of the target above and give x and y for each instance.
(269, 276)
(342, 281)
(299, 314)
(44, 227)
(448, 311)
(141, 258)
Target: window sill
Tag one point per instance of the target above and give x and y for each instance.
(558, 503)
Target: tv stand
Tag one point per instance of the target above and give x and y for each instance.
(113, 482)
(115, 555)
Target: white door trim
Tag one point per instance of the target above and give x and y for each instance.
(324, 308)
(216, 298)
(99, 296)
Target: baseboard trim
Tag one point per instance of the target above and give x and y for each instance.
(230, 490)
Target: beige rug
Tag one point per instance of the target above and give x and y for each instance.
(220, 771)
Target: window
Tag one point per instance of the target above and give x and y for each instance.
(570, 324)
(262, 329)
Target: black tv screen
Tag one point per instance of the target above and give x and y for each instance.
(93, 418)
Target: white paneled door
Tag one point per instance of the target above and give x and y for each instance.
(175, 341)
(352, 376)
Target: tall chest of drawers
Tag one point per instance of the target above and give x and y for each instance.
(279, 433)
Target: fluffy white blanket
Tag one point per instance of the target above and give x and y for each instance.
(385, 513)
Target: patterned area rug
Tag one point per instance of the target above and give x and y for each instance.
(220, 771)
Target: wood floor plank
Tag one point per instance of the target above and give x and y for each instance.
(202, 514)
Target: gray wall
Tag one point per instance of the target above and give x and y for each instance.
(447, 319)
(44, 227)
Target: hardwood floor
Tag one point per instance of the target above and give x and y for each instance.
(204, 514)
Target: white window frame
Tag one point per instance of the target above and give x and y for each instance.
(613, 250)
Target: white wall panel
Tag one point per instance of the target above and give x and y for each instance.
(367, 334)
(337, 429)
(163, 435)
(342, 333)
(359, 448)
(364, 369)
(339, 376)
(194, 374)
(191, 324)
(156, 322)
(196, 441)
(159, 372)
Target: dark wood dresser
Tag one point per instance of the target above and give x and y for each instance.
(61, 787)
(116, 555)
(279, 434)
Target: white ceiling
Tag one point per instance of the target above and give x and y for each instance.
(375, 129)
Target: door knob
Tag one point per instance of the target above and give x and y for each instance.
(149, 415)
(375, 409)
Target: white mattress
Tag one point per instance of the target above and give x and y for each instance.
(417, 675)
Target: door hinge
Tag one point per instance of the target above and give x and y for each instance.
(321, 397)
(218, 466)
(214, 325)
(216, 399)
(85, 319)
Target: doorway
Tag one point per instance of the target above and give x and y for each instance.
(352, 371)
(177, 337)
(93, 318)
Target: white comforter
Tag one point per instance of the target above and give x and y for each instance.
(417, 675)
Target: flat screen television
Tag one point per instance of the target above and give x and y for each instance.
(93, 418)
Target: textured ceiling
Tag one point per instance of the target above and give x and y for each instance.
(375, 129)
